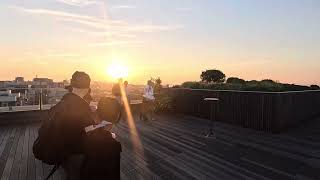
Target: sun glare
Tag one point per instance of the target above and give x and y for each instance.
(116, 71)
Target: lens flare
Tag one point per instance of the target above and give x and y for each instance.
(117, 71)
(135, 137)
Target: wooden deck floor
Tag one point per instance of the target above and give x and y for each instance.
(173, 147)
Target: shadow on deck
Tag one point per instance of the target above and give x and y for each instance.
(174, 147)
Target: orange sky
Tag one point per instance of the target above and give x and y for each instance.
(253, 40)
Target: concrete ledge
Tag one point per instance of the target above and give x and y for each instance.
(22, 117)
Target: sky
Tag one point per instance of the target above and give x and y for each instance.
(172, 39)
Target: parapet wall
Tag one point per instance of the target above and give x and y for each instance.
(31, 116)
(20, 117)
(265, 111)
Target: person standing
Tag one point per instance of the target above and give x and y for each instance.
(120, 91)
(116, 90)
(147, 110)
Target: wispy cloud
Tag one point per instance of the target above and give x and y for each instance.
(184, 9)
(118, 32)
(103, 33)
(153, 28)
(77, 18)
(52, 13)
(65, 55)
(78, 2)
(99, 23)
(123, 7)
(115, 43)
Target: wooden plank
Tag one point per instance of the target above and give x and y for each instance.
(5, 149)
(11, 153)
(173, 148)
(46, 170)
(31, 159)
(59, 175)
(17, 160)
(38, 164)
(3, 137)
(3, 132)
(4, 140)
(176, 141)
(24, 158)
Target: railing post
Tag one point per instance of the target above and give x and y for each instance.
(40, 100)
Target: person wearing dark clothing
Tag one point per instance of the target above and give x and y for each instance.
(77, 116)
(102, 151)
(64, 139)
(119, 91)
(64, 129)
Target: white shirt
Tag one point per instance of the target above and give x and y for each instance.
(148, 93)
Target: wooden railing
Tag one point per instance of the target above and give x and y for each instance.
(265, 111)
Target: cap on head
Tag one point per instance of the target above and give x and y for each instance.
(80, 80)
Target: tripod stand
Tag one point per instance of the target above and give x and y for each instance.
(212, 101)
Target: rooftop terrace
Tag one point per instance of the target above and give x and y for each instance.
(174, 147)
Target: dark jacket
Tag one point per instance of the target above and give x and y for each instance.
(62, 132)
(102, 161)
(76, 117)
(62, 137)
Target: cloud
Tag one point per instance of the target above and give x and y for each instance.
(184, 9)
(65, 55)
(117, 32)
(153, 28)
(115, 43)
(78, 2)
(104, 33)
(123, 7)
(99, 23)
(77, 18)
(52, 13)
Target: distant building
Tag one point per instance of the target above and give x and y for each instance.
(19, 80)
(56, 94)
(42, 83)
(19, 92)
(8, 99)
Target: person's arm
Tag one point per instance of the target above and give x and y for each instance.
(145, 92)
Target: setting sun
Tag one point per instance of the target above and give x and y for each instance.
(116, 70)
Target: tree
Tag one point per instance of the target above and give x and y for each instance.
(213, 75)
(314, 87)
(157, 84)
(235, 80)
(268, 81)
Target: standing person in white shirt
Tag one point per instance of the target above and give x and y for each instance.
(148, 102)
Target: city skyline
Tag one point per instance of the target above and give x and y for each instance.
(174, 40)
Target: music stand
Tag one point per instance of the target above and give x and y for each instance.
(212, 101)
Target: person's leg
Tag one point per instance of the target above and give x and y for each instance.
(120, 114)
(72, 167)
(152, 110)
(143, 113)
(119, 99)
(149, 110)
